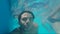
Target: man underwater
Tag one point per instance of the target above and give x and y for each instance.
(26, 24)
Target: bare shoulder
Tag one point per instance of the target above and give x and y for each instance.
(35, 25)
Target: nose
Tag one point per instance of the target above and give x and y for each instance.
(27, 21)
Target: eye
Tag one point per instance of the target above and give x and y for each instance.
(30, 18)
(24, 19)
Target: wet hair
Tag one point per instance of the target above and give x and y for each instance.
(19, 17)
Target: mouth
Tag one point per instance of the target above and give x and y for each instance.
(26, 24)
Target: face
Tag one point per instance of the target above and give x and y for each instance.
(26, 19)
